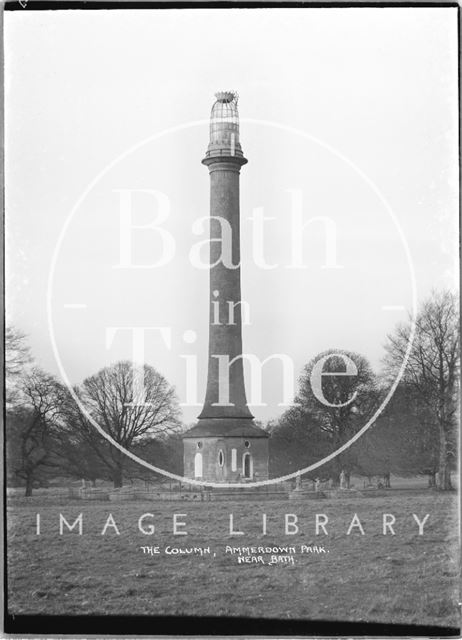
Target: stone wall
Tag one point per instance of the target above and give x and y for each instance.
(209, 448)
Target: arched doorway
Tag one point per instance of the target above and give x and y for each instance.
(198, 465)
(247, 465)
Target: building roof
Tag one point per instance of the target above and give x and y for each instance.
(222, 428)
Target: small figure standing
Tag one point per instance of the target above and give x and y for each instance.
(342, 480)
(317, 484)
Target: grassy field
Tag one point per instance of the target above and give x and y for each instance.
(406, 578)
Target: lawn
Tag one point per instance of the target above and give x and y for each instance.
(406, 578)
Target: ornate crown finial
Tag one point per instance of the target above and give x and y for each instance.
(226, 96)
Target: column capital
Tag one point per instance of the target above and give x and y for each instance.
(224, 162)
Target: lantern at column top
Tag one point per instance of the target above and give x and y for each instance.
(224, 127)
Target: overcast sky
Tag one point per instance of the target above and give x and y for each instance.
(326, 97)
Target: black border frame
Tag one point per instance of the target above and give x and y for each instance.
(188, 625)
(213, 626)
(55, 5)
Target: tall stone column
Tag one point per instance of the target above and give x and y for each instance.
(225, 445)
(224, 159)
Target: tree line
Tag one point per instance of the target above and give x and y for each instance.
(49, 436)
(416, 434)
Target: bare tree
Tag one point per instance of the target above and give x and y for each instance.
(432, 370)
(31, 427)
(17, 353)
(76, 456)
(17, 358)
(111, 400)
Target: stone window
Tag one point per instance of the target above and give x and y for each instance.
(233, 459)
(198, 465)
(199, 445)
(247, 466)
(246, 444)
(221, 458)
